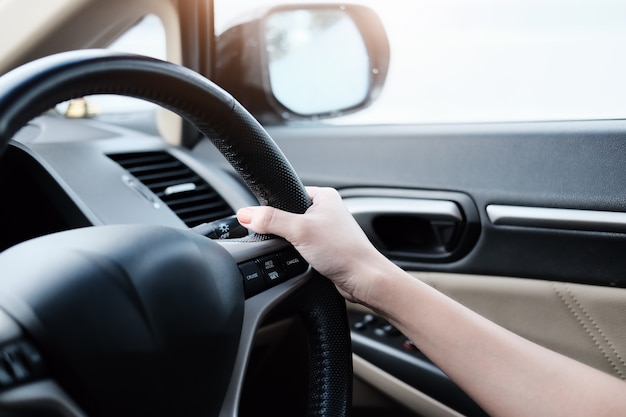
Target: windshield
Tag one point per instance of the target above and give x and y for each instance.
(492, 61)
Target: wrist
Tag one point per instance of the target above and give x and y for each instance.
(375, 278)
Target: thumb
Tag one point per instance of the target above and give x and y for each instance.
(266, 220)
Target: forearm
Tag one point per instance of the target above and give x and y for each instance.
(504, 373)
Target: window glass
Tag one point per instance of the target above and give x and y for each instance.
(493, 60)
(147, 37)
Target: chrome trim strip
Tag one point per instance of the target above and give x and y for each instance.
(557, 218)
(180, 188)
(432, 209)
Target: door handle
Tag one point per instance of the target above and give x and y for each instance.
(412, 228)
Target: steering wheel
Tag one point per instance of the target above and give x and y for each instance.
(148, 320)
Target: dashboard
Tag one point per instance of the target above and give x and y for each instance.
(59, 174)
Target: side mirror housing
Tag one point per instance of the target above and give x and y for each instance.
(300, 62)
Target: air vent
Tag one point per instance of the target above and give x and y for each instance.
(184, 191)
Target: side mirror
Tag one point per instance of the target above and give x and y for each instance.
(300, 62)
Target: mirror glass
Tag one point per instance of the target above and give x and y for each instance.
(317, 60)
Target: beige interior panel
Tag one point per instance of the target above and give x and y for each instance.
(585, 322)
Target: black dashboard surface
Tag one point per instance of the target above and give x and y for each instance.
(59, 174)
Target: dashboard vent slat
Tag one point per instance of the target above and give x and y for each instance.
(185, 192)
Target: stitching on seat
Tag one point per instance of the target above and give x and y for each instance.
(575, 309)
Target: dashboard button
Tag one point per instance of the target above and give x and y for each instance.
(270, 265)
(252, 278)
(292, 262)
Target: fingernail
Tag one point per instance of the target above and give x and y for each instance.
(244, 215)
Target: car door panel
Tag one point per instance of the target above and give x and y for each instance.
(545, 259)
(570, 165)
(524, 273)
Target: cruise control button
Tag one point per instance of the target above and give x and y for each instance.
(270, 266)
(252, 278)
(292, 262)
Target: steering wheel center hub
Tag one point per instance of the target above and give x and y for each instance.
(152, 322)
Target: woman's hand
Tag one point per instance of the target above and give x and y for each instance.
(327, 236)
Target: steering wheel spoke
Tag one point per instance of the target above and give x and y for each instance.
(252, 259)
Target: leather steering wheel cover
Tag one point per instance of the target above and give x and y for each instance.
(323, 313)
(33, 88)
